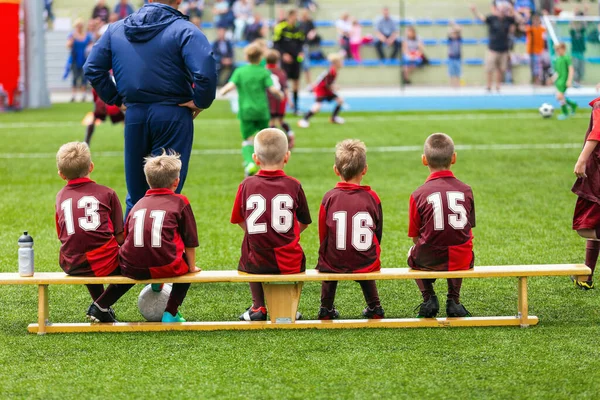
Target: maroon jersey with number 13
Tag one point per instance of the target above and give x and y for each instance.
(271, 205)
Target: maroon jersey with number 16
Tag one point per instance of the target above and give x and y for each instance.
(350, 230)
(271, 205)
(158, 229)
(442, 213)
(88, 216)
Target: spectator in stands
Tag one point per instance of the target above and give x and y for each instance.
(194, 9)
(78, 43)
(413, 52)
(312, 43)
(535, 34)
(343, 27)
(223, 17)
(356, 40)
(526, 8)
(455, 54)
(386, 33)
(123, 9)
(49, 13)
(242, 11)
(223, 52)
(500, 24)
(308, 4)
(547, 6)
(577, 33)
(101, 11)
(258, 29)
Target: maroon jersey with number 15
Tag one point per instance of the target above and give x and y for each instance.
(442, 213)
(271, 205)
(158, 229)
(350, 230)
(88, 216)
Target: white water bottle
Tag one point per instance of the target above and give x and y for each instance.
(25, 255)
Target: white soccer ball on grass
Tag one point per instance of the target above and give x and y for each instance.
(546, 110)
(152, 304)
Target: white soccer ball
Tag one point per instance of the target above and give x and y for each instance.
(546, 110)
(152, 304)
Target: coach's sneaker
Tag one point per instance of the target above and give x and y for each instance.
(251, 169)
(374, 313)
(254, 314)
(170, 318)
(583, 285)
(97, 314)
(325, 314)
(456, 310)
(338, 120)
(429, 308)
(303, 123)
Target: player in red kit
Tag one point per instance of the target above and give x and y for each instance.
(442, 213)
(350, 230)
(277, 105)
(160, 239)
(272, 210)
(586, 219)
(101, 111)
(89, 218)
(324, 91)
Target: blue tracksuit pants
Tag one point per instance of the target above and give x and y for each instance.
(150, 128)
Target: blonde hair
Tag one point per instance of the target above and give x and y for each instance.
(270, 146)
(350, 158)
(73, 160)
(253, 53)
(272, 57)
(335, 57)
(162, 171)
(438, 150)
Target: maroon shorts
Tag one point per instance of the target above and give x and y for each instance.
(587, 214)
(277, 108)
(102, 110)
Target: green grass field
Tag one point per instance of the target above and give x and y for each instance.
(524, 210)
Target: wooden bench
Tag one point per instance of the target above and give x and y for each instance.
(282, 294)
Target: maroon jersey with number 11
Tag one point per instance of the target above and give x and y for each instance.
(271, 205)
(442, 213)
(350, 230)
(158, 229)
(88, 216)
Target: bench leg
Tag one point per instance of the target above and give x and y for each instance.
(282, 301)
(42, 309)
(523, 304)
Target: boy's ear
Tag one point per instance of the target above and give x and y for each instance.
(336, 171)
(62, 176)
(176, 183)
(287, 157)
(424, 160)
(364, 172)
(91, 167)
(453, 159)
(255, 159)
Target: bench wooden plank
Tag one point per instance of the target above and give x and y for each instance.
(59, 278)
(242, 325)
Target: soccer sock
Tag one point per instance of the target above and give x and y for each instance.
(286, 127)
(454, 286)
(336, 111)
(564, 108)
(426, 287)
(571, 103)
(328, 289)
(308, 115)
(95, 291)
(89, 132)
(247, 151)
(295, 101)
(258, 295)
(178, 293)
(112, 294)
(369, 289)
(592, 249)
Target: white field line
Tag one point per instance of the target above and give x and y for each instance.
(307, 150)
(379, 118)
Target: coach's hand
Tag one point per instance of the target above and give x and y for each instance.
(192, 106)
(580, 169)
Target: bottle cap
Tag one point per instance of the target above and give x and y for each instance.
(25, 238)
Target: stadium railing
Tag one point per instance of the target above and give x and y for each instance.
(282, 294)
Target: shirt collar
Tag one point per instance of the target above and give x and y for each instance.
(78, 181)
(440, 174)
(351, 186)
(160, 191)
(271, 66)
(594, 101)
(278, 172)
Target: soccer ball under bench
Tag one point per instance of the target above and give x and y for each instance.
(546, 110)
(152, 303)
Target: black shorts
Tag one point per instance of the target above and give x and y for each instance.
(292, 70)
(322, 99)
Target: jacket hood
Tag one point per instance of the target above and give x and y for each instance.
(149, 21)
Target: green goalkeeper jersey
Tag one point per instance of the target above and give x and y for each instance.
(252, 82)
(561, 68)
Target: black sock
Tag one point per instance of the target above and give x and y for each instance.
(336, 111)
(96, 290)
(295, 101)
(89, 132)
(286, 127)
(112, 294)
(308, 115)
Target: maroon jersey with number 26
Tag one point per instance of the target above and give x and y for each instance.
(350, 230)
(271, 204)
(442, 213)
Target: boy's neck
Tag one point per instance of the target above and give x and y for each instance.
(275, 167)
(434, 170)
(355, 181)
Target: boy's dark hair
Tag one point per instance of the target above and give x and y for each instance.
(438, 150)
(350, 158)
(273, 57)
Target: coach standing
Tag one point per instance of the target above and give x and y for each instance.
(165, 75)
(289, 40)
